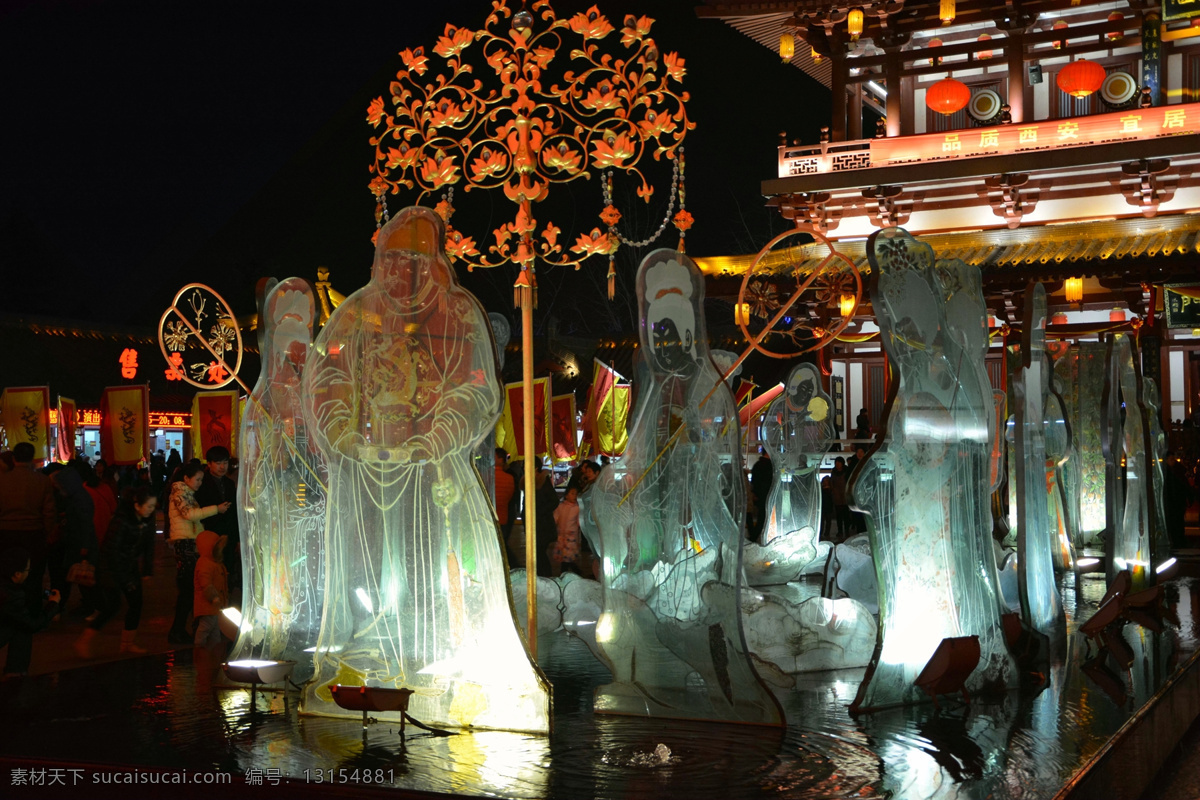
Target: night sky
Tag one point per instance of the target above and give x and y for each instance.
(149, 144)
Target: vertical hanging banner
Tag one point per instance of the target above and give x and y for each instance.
(25, 413)
(562, 414)
(66, 429)
(745, 391)
(541, 417)
(214, 422)
(125, 424)
(612, 420)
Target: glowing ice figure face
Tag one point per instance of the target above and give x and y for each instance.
(672, 349)
(405, 274)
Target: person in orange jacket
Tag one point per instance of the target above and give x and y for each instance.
(212, 589)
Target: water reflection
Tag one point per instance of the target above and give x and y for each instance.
(1023, 744)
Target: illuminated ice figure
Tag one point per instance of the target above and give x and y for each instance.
(1059, 454)
(1041, 608)
(280, 483)
(1080, 375)
(1157, 451)
(926, 488)
(1132, 532)
(401, 387)
(666, 521)
(796, 429)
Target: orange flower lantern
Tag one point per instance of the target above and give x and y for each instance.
(947, 96)
(1081, 78)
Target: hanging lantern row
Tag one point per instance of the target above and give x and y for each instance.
(1078, 79)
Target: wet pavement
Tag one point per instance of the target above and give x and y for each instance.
(153, 713)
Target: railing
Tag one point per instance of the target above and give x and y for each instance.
(1137, 124)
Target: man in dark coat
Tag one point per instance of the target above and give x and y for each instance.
(216, 489)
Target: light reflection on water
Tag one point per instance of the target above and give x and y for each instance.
(1025, 744)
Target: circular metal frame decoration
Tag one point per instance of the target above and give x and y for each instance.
(984, 105)
(180, 330)
(835, 276)
(1118, 88)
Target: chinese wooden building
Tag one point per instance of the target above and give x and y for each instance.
(1038, 139)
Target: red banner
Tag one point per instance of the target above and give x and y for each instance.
(66, 429)
(754, 407)
(562, 424)
(541, 417)
(744, 391)
(124, 412)
(214, 422)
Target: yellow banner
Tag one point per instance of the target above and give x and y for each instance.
(25, 412)
(214, 422)
(124, 414)
(612, 420)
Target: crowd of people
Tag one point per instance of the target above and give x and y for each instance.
(91, 528)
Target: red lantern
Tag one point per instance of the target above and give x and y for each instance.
(947, 96)
(1081, 78)
(1060, 25)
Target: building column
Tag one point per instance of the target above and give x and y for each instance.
(1014, 56)
(837, 125)
(891, 72)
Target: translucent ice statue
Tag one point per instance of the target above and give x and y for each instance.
(926, 488)
(796, 429)
(1041, 608)
(666, 521)
(401, 388)
(281, 487)
(1128, 445)
(1080, 374)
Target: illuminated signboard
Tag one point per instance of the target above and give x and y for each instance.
(1119, 126)
(1182, 306)
(129, 363)
(174, 420)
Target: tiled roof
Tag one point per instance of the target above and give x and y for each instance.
(1027, 247)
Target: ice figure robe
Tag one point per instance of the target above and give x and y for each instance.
(666, 521)
(402, 387)
(797, 426)
(280, 486)
(926, 488)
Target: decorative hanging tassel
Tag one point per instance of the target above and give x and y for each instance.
(612, 278)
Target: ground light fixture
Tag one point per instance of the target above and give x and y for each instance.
(256, 671)
(379, 699)
(949, 667)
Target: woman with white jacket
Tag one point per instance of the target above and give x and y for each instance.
(184, 517)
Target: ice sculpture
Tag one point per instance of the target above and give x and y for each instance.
(1080, 374)
(926, 488)
(281, 486)
(797, 426)
(401, 388)
(666, 521)
(1157, 450)
(1133, 541)
(816, 634)
(1041, 608)
(1058, 455)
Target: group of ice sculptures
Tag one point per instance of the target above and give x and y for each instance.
(372, 550)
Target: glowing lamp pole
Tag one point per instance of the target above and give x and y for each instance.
(540, 128)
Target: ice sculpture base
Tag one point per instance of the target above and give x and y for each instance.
(145, 713)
